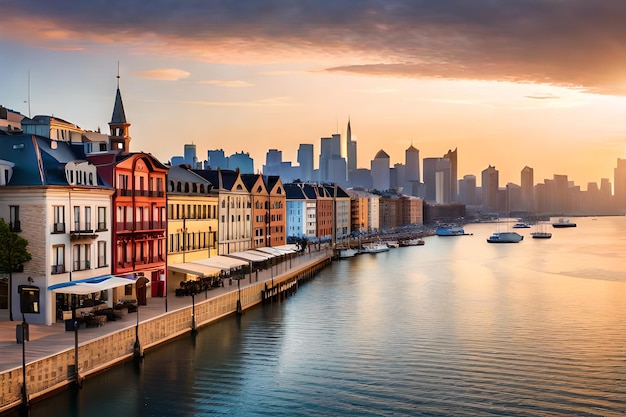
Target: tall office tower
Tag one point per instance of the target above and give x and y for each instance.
(489, 185)
(527, 181)
(217, 159)
(437, 187)
(619, 181)
(242, 161)
(305, 160)
(380, 171)
(452, 157)
(412, 171)
(351, 152)
(467, 190)
(332, 164)
(561, 196)
(605, 192)
(273, 162)
(397, 177)
(190, 155)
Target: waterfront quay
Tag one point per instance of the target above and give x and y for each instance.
(52, 354)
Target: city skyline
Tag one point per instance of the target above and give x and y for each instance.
(508, 84)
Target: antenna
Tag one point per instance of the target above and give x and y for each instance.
(118, 75)
(28, 92)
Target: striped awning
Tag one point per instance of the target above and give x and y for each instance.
(93, 285)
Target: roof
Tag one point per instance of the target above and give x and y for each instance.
(118, 109)
(93, 285)
(181, 173)
(37, 161)
(294, 192)
(381, 154)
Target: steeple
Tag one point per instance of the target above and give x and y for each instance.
(119, 139)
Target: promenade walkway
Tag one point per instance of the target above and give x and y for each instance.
(49, 340)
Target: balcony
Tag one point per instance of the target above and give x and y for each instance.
(58, 269)
(83, 235)
(58, 228)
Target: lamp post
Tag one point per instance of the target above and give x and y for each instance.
(25, 404)
(210, 243)
(193, 311)
(137, 347)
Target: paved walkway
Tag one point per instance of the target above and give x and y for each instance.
(49, 340)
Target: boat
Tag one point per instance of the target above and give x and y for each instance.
(347, 253)
(375, 247)
(393, 243)
(412, 242)
(541, 232)
(505, 237)
(521, 225)
(562, 223)
(450, 231)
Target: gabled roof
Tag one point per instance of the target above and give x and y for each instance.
(294, 192)
(249, 180)
(381, 154)
(223, 179)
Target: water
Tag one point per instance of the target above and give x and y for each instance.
(457, 327)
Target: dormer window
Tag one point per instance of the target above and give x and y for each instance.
(6, 172)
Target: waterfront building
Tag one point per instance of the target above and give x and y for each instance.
(260, 209)
(192, 224)
(366, 215)
(10, 121)
(300, 212)
(276, 216)
(56, 200)
(139, 209)
(388, 212)
(341, 213)
(234, 210)
(60, 130)
(380, 171)
(324, 210)
(410, 210)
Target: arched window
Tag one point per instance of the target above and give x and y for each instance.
(186, 187)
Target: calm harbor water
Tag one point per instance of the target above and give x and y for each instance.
(457, 327)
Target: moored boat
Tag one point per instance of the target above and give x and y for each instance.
(505, 237)
(541, 235)
(412, 242)
(375, 247)
(521, 225)
(347, 253)
(562, 223)
(450, 231)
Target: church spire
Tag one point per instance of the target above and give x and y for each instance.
(119, 139)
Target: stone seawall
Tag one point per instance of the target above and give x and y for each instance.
(57, 371)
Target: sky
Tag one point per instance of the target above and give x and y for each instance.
(538, 83)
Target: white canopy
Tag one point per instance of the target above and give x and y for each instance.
(92, 285)
(195, 268)
(250, 256)
(223, 262)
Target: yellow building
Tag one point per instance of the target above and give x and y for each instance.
(191, 223)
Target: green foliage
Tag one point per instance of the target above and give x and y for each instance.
(13, 252)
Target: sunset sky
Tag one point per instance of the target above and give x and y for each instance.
(509, 83)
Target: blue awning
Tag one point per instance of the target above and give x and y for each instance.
(92, 285)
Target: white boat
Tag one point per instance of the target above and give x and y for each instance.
(562, 223)
(521, 225)
(375, 247)
(412, 242)
(450, 231)
(393, 243)
(505, 237)
(347, 253)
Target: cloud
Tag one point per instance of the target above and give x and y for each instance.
(574, 43)
(546, 96)
(227, 83)
(166, 74)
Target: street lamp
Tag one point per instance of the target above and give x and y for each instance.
(137, 347)
(193, 310)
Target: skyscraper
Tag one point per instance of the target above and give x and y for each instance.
(619, 181)
(527, 181)
(437, 183)
(305, 160)
(489, 184)
(352, 165)
(452, 157)
(217, 159)
(412, 171)
(380, 171)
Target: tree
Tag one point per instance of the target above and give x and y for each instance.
(13, 255)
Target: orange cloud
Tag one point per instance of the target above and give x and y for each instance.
(165, 74)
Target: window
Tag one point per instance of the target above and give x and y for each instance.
(102, 218)
(76, 218)
(14, 218)
(82, 257)
(59, 219)
(88, 218)
(102, 254)
(58, 259)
